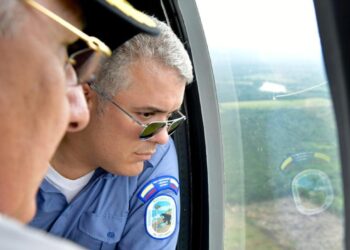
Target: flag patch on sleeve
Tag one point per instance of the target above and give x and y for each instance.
(154, 186)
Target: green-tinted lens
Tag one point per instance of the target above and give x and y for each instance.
(152, 129)
(174, 126)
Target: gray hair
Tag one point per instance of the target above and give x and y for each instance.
(166, 48)
(11, 12)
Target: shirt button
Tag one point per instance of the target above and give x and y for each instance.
(110, 234)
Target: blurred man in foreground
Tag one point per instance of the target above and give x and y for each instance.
(40, 100)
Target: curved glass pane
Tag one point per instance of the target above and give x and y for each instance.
(283, 186)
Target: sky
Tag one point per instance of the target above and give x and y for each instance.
(271, 27)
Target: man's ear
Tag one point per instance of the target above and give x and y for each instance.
(90, 95)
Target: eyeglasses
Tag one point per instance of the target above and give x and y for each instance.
(152, 128)
(87, 61)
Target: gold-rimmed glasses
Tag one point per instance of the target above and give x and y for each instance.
(86, 61)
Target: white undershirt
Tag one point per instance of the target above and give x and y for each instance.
(70, 188)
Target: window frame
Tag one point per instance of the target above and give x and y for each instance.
(333, 17)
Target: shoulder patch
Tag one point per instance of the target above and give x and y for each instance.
(161, 217)
(151, 188)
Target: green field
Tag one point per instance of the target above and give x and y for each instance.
(258, 136)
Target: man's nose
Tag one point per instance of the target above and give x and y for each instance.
(162, 137)
(79, 114)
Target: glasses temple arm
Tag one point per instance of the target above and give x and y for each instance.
(94, 88)
(93, 42)
(125, 112)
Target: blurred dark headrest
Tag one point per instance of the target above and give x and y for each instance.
(115, 21)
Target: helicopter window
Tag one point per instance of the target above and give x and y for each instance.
(282, 171)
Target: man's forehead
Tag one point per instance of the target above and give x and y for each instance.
(150, 100)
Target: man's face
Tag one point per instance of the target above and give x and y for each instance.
(155, 91)
(37, 104)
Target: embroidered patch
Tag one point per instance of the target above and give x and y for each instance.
(160, 217)
(150, 189)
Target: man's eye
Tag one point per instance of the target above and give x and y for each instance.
(146, 115)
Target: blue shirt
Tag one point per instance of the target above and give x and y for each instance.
(118, 212)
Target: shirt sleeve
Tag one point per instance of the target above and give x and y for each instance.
(153, 220)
